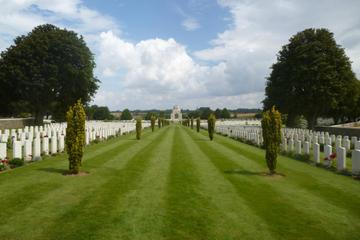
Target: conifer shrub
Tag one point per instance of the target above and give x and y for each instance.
(198, 124)
(153, 119)
(211, 126)
(271, 128)
(75, 136)
(192, 123)
(138, 128)
(159, 123)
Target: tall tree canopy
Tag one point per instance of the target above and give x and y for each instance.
(46, 70)
(126, 115)
(311, 77)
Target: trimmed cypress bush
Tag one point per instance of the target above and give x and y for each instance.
(75, 136)
(192, 123)
(198, 124)
(159, 122)
(153, 119)
(211, 126)
(271, 129)
(138, 128)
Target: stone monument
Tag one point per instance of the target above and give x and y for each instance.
(176, 114)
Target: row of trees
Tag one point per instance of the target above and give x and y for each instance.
(313, 78)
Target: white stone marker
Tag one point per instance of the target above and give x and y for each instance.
(17, 149)
(341, 158)
(45, 145)
(347, 144)
(53, 145)
(27, 150)
(61, 146)
(353, 140)
(355, 162)
(3, 153)
(338, 142)
(298, 147)
(327, 151)
(306, 147)
(284, 145)
(357, 145)
(316, 153)
(36, 149)
(291, 145)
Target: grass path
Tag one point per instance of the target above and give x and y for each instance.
(176, 184)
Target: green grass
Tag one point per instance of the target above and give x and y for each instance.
(176, 184)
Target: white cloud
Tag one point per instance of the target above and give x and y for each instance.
(190, 24)
(159, 73)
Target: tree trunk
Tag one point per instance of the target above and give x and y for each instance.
(311, 121)
(39, 118)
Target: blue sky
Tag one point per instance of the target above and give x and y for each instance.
(192, 53)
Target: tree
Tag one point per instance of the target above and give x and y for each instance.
(159, 122)
(153, 119)
(271, 129)
(218, 113)
(48, 69)
(205, 112)
(192, 123)
(198, 124)
(225, 113)
(311, 76)
(126, 115)
(75, 136)
(138, 128)
(211, 126)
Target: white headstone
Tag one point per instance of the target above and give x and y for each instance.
(3, 153)
(306, 147)
(316, 153)
(327, 151)
(341, 158)
(355, 162)
(45, 145)
(36, 149)
(357, 145)
(27, 150)
(17, 146)
(61, 146)
(298, 146)
(53, 145)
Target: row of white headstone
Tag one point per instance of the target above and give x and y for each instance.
(31, 142)
(302, 141)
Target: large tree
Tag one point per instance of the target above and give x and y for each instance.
(48, 69)
(311, 76)
(126, 115)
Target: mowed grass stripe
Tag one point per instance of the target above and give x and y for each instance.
(86, 219)
(233, 218)
(141, 213)
(306, 183)
(263, 198)
(304, 192)
(62, 192)
(44, 180)
(187, 208)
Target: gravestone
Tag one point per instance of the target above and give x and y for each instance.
(341, 158)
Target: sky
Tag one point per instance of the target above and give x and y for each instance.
(193, 53)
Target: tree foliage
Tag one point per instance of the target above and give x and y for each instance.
(211, 126)
(152, 120)
(75, 136)
(271, 129)
(312, 77)
(46, 70)
(138, 128)
(198, 124)
(95, 112)
(126, 115)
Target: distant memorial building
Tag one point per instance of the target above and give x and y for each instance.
(176, 114)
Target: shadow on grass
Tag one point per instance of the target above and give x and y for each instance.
(252, 173)
(54, 170)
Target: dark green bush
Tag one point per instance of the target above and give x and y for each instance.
(16, 162)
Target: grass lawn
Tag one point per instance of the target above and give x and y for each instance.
(176, 184)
